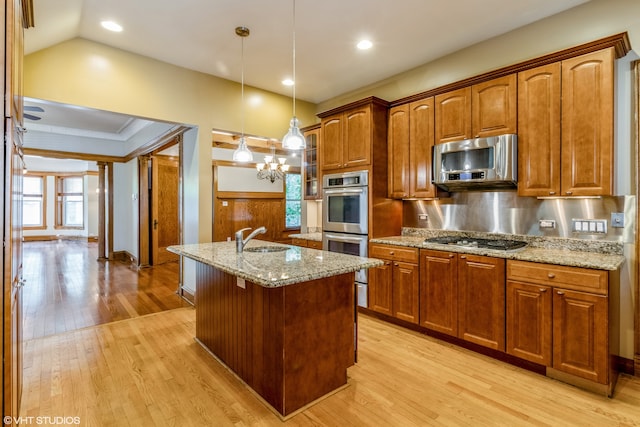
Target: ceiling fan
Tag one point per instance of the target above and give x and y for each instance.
(32, 108)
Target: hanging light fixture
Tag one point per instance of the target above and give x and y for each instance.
(294, 140)
(242, 153)
(272, 168)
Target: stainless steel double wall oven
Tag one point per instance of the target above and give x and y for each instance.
(345, 221)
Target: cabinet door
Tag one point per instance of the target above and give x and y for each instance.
(481, 300)
(580, 327)
(529, 322)
(331, 147)
(421, 139)
(357, 137)
(439, 291)
(398, 151)
(380, 288)
(493, 107)
(405, 291)
(587, 124)
(311, 176)
(453, 115)
(539, 131)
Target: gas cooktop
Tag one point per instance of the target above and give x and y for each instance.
(470, 242)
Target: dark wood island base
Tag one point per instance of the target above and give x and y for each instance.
(290, 344)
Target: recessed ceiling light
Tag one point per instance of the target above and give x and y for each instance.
(111, 26)
(364, 44)
(287, 82)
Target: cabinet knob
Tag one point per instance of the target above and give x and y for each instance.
(392, 253)
(387, 263)
(451, 255)
(551, 193)
(463, 257)
(542, 289)
(551, 275)
(396, 264)
(560, 293)
(568, 193)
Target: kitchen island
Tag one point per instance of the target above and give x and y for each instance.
(282, 319)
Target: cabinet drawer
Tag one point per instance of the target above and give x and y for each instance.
(314, 244)
(299, 242)
(580, 279)
(394, 253)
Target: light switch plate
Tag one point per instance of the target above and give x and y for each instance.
(617, 219)
(589, 226)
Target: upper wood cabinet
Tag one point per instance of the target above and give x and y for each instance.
(410, 140)
(587, 124)
(311, 176)
(453, 115)
(350, 133)
(484, 109)
(565, 122)
(539, 131)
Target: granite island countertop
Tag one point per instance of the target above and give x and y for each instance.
(274, 269)
(601, 255)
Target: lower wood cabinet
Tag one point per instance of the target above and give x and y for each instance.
(393, 287)
(559, 317)
(464, 296)
(313, 244)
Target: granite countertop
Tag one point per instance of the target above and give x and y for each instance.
(316, 237)
(274, 269)
(601, 255)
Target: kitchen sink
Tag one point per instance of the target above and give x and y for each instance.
(267, 249)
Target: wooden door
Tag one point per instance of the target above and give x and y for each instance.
(165, 223)
(439, 291)
(493, 107)
(539, 131)
(398, 152)
(453, 115)
(380, 288)
(357, 137)
(529, 320)
(481, 300)
(421, 137)
(332, 140)
(405, 291)
(587, 124)
(580, 328)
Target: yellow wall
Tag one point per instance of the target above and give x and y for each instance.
(590, 21)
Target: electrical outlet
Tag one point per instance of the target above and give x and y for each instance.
(423, 217)
(617, 220)
(547, 223)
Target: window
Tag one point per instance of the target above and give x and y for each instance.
(33, 202)
(69, 202)
(293, 197)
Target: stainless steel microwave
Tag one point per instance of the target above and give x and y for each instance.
(480, 163)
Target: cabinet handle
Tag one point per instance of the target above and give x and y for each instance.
(451, 255)
(463, 257)
(387, 263)
(543, 289)
(396, 264)
(551, 193)
(551, 276)
(560, 293)
(569, 193)
(392, 253)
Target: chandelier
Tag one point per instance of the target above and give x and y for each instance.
(273, 168)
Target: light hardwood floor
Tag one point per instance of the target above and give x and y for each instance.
(149, 371)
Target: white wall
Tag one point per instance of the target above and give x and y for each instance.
(125, 207)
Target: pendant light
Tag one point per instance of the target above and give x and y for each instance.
(242, 153)
(294, 140)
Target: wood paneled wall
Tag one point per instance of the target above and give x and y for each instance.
(253, 210)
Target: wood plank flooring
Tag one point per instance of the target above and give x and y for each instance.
(149, 371)
(67, 288)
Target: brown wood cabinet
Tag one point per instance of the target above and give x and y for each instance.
(394, 287)
(305, 243)
(464, 296)
(559, 317)
(410, 140)
(566, 148)
(587, 124)
(439, 291)
(311, 174)
(484, 109)
(539, 131)
(347, 137)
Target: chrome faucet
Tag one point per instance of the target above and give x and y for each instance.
(240, 243)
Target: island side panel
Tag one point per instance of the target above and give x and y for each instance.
(318, 338)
